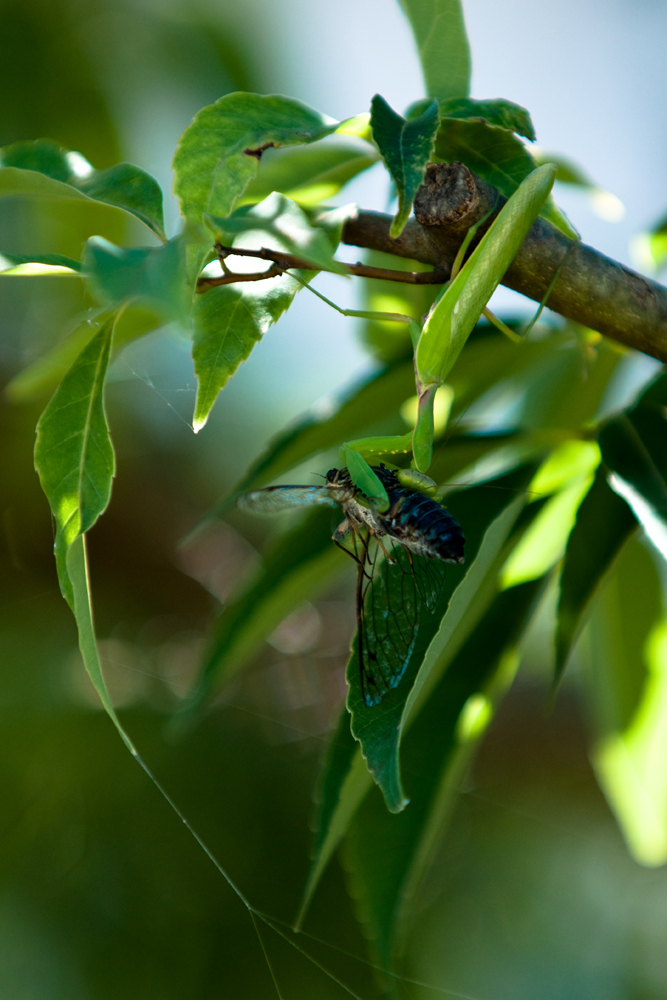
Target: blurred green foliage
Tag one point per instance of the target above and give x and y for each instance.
(525, 888)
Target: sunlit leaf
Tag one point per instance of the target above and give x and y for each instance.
(227, 321)
(624, 651)
(603, 524)
(406, 148)
(153, 276)
(37, 264)
(301, 563)
(497, 156)
(309, 175)
(41, 169)
(73, 452)
(442, 43)
(545, 541)
(457, 310)
(633, 446)
(218, 154)
(285, 227)
(436, 753)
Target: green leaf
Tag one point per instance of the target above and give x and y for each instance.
(497, 156)
(73, 452)
(41, 169)
(298, 567)
(376, 399)
(499, 113)
(228, 321)
(655, 241)
(624, 652)
(545, 541)
(633, 446)
(487, 521)
(38, 264)
(458, 308)
(604, 522)
(442, 43)
(218, 154)
(345, 788)
(406, 148)
(288, 229)
(309, 175)
(153, 276)
(437, 753)
(76, 569)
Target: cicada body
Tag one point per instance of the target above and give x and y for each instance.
(401, 556)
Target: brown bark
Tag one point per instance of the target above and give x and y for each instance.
(591, 289)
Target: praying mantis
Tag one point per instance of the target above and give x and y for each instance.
(438, 341)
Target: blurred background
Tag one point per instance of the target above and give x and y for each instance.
(102, 892)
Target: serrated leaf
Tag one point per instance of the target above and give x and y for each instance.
(497, 156)
(487, 520)
(41, 169)
(218, 154)
(458, 308)
(153, 276)
(287, 227)
(633, 447)
(73, 452)
(499, 113)
(38, 264)
(624, 652)
(406, 148)
(604, 522)
(309, 175)
(298, 567)
(227, 322)
(437, 752)
(442, 43)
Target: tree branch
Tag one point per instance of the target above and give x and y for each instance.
(591, 289)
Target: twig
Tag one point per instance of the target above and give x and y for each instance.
(284, 262)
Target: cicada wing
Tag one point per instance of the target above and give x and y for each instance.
(396, 588)
(275, 499)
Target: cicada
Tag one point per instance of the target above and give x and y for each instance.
(400, 554)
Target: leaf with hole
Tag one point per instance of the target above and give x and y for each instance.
(219, 152)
